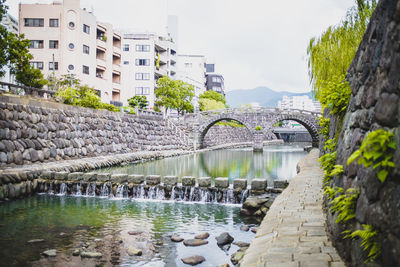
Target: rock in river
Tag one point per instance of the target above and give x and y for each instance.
(241, 244)
(50, 253)
(87, 254)
(223, 239)
(35, 241)
(193, 260)
(202, 236)
(194, 242)
(134, 251)
(244, 228)
(176, 238)
(135, 232)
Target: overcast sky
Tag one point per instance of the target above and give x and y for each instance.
(253, 42)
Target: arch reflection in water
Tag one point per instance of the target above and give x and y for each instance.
(276, 162)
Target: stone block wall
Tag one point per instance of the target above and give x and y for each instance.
(375, 81)
(33, 131)
(222, 134)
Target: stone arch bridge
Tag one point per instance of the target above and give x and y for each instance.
(196, 125)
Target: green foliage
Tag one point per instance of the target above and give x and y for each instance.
(231, 123)
(330, 54)
(213, 95)
(376, 150)
(138, 101)
(129, 110)
(331, 192)
(369, 240)
(335, 94)
(345, 205)
(83, 96)
(324, 123)
(258, 128)
(210, 104)
(174, 94)
(330, 145)
(328, 164)
(56, 84)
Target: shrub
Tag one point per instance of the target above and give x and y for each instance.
(258, 128)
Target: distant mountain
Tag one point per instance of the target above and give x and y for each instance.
(265, 96)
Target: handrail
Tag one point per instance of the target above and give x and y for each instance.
(27, 90)
(145, 112)
(179, 131)
(257, 109)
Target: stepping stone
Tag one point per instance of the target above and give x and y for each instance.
(202, 236)
(50, 253)
(176, 238)
(194, 242)
(193, 260)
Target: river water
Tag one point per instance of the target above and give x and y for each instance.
(66, 223)
(275, 162)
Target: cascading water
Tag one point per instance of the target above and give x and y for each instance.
(77, 190)
(63, 189)
(51, 191)
(91, 190)
(121, 192)
(244, 195)
(160, 194)
(105, 192)
(191, 194)
(173, 193)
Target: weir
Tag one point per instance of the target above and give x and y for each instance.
(154, 187)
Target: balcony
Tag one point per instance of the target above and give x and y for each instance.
(100, 73)
(101, 64)
(160, 46)
(160, 72)
(116, 41)
(116, 59)
(116, 77)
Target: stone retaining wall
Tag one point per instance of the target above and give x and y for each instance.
(374, 78)
(222, 134)
(34, 131)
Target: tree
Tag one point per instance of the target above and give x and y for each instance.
(138, 101)
(14, 53)
(330, 55)
(174, 94)
(210, 104)
(214, 96)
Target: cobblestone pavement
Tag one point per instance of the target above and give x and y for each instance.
(293, 233)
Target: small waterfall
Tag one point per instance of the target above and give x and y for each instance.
(191, 194)
(245, 194)
(91, 190)
(122, 191)
(63, 189)
(105, 192)
(160, 194)
(204, 195)
(77, 190)
(51, 191)
(151, 194)
(229, 197)
(173, 193)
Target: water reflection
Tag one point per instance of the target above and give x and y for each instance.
(276, 162)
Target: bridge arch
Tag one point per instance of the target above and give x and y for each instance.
(209, 123)
(309, 123)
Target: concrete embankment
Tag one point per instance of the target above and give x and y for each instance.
(293, 233)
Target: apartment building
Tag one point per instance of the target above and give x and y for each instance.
(68, 40)
(146, 58)
(303, 102)
(214, 81)
(192, 70)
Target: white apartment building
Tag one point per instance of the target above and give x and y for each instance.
(192, 70)
(146, 58)
(299, 102)
(68, 40)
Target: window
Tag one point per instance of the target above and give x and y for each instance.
(142, 62)
(216, 79)
(53, 22)
(126, 62)
(71, 67)
(142, 48)
(36, 44)
(53, 65)
(85, 69)
(71, 46)
(217, 89)
(86, 49)
(142, 90)
(126, 47)
(86, 28)
(71, 25)
(34, 22)
(37, 64)
(142, 76)
(188, 65)
(53, 44)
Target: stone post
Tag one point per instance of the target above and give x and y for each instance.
(258, 139)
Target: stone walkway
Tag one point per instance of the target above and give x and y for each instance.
(293, 233)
